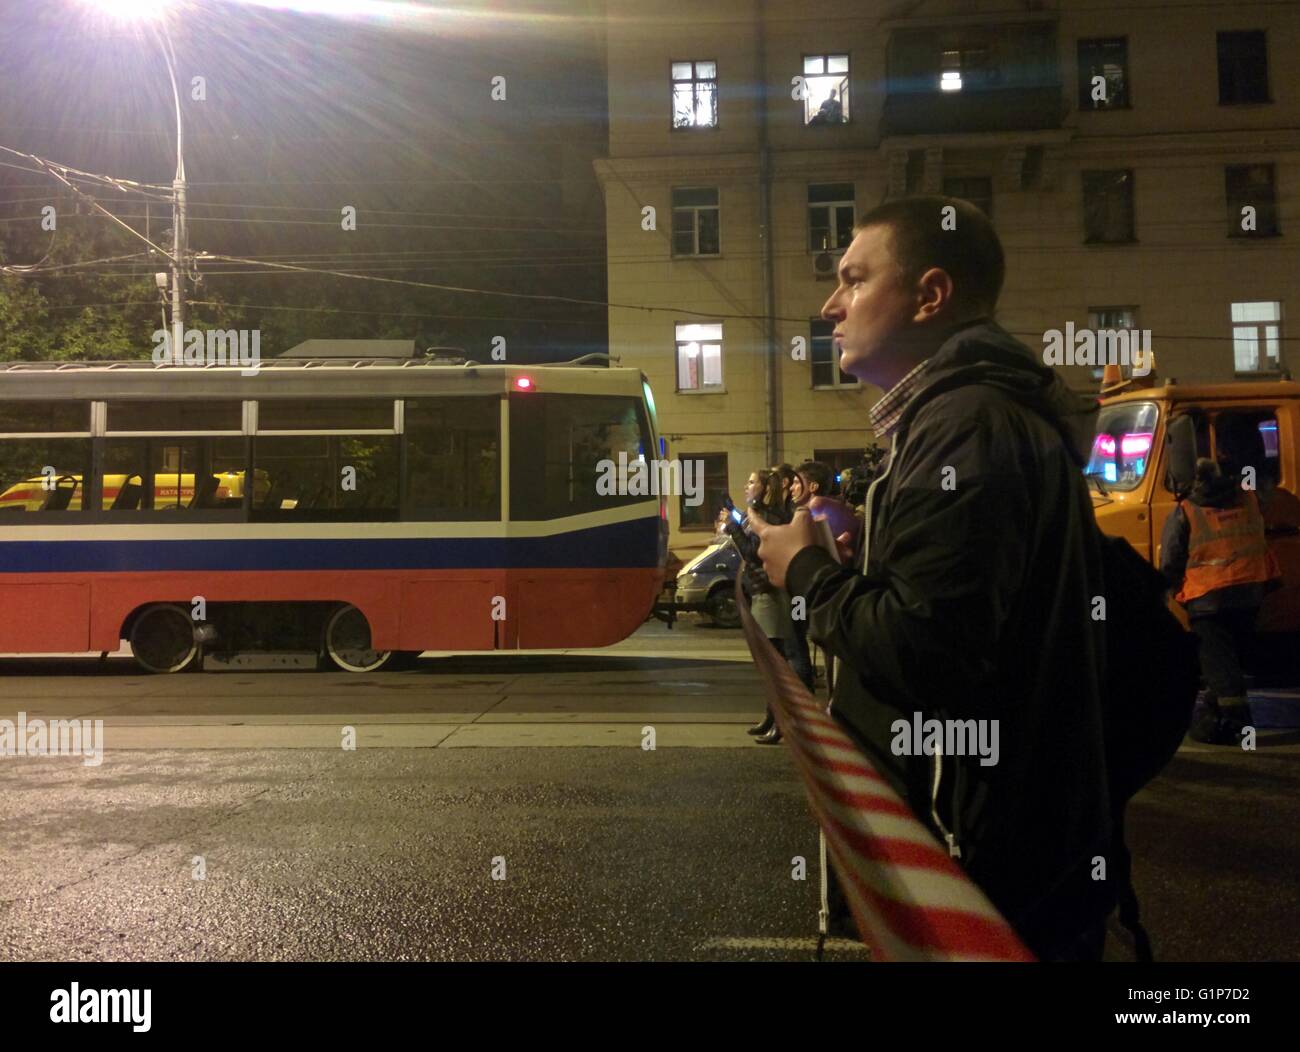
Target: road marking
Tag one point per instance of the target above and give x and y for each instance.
(371, 733)
(793, 943)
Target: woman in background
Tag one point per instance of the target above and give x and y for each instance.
(769, 605)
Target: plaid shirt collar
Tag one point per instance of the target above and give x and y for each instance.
(886, 414)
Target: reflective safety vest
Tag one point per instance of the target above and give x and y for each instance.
(1225, 546)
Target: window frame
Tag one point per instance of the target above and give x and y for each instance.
(1234, 207)
(1085, 103)
(1131, 182)
(712, 513)
(833, 223)
(412, 512)
(694, 81)
(988, 212)
(1219, 38)
(695, 211)
(1095, 325)
(678, 343)
(846, 107)
(814, 340)
(1261, 339)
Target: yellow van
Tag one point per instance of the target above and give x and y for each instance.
(1144, 454)
(123, 492)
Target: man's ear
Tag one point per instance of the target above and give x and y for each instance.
(934, 293)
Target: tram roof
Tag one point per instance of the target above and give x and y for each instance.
(331, 377)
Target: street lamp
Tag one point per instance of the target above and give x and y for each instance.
(152, 13)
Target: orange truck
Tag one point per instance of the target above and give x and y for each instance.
(1144, 454)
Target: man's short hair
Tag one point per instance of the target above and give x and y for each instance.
(817, 472)
(970, 253)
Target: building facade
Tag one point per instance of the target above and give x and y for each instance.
(1141, 163)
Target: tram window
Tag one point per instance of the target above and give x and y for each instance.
(559, 445)
(328, 414)
(44, 417)
(325, 477)
(453, 459)
(172, 474)
(176, 416)
(42, 475)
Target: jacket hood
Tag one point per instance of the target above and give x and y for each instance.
(1216, 491)
(982, 352)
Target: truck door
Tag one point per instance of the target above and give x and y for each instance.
(1262, 443)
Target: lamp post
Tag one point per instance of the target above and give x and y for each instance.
(153, 12)
(180, 240)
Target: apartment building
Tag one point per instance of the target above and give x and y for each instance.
(1141, 162)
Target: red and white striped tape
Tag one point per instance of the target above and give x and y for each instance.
(910, 901)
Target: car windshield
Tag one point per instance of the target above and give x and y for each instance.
(1121, 450)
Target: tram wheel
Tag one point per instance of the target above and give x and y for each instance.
(162, 639)
(347, 646)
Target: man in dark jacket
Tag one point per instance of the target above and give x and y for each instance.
(973, 598)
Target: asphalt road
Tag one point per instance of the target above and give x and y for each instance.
(524, 768)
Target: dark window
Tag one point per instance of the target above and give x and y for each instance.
(326, 478)
(172, 474)
(1031, 169)
(978, 190)
(1243, 67)
(564, 447)
(42, 474)
(175, 416)
(830, 216)
(915, 172)
(696, 224)
(326, 414)
(695, 94)
(839, 460)
(1108, 206)
(1250, 186)
(453, 459)
(704, 516)
(825, 359)
(44, 417)
(1106, 58)
(1249, 439)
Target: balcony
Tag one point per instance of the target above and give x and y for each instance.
(986, 110)
(973, 77)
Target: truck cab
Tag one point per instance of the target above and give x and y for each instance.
(1146, 438)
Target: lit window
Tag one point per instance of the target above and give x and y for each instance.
(826, 79)
(695, 94)
(699, 356)
(1257, 337)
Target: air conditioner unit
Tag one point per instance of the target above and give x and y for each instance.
(825, 266)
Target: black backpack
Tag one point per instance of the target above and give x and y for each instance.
(1151, 680)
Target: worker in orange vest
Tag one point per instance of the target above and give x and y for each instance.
(1214, 552)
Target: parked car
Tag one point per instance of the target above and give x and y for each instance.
(708, 584)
